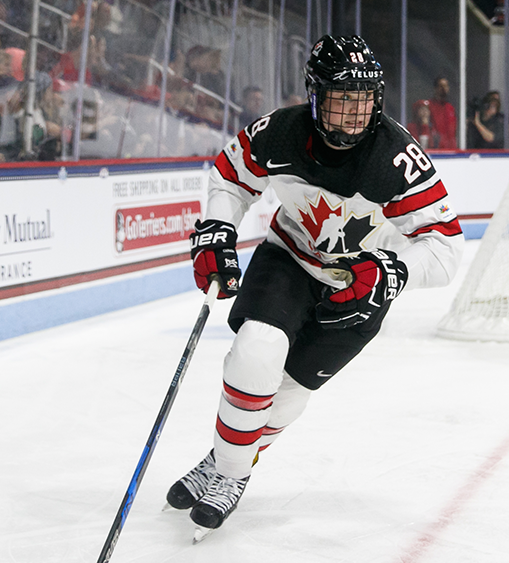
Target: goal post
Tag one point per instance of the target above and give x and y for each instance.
(480, 310)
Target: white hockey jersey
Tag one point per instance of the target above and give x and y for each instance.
(383, 193)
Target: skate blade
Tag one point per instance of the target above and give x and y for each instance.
(200, 533)
(166, 507)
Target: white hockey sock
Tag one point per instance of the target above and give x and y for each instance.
(253, 371)
(288, 404)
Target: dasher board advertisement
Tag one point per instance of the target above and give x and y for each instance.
(62, 225)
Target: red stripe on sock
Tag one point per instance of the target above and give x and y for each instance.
(268, 431)
(237, 437)
(245, 400)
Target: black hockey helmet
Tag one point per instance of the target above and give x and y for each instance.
(343, 64)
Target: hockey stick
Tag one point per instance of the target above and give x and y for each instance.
(132, 489)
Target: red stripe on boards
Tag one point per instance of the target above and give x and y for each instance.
(237, 437)
(415, 202)
(105, 162)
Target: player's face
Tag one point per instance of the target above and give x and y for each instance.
(348, 111)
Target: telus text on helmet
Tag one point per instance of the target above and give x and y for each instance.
(366, 73)
(354, 73)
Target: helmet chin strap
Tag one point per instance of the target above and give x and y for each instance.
(344, 140)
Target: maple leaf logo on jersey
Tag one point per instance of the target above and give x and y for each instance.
(316, 213)
(332, 233)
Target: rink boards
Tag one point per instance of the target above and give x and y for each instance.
(81, 239)
(476, 182)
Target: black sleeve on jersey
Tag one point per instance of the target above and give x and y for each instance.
(280, 138)
(383, 165)
(281, 143)
(394, 163)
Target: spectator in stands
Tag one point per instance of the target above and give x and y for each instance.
(100, 16)
(17, 63)
(108, 59)
(252, 103)
(421, 127)
(47, 123)
(177, 62)
(293, 100)
(203, 66)
(209, 110)
(499, 14)
(67, 69)
(7, 84)
(486, 128)
(6, 72)
(101, 69)
(180, 100)
(443, 114)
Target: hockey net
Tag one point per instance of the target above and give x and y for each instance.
(480, 310)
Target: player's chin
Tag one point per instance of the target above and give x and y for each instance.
(354, 128)
(347, 129)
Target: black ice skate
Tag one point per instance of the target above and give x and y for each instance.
(217, 504)
(190, 489)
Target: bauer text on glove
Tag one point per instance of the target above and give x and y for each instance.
(373, 278)
(213, 252)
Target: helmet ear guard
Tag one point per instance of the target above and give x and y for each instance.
(344, 64)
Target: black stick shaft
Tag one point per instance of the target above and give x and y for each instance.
(139, 472)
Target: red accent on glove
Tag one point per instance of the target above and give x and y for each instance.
(367, 275)
(205, 264)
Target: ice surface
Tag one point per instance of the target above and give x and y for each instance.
(401, 458)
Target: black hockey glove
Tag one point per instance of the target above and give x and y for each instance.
(213, 252)
(372, 278)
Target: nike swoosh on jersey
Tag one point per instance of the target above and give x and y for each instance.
(321, 374)
(270, 165)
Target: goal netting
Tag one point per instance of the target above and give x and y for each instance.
(480, 311)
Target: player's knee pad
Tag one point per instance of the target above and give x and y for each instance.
(289, 403)
(256, 360)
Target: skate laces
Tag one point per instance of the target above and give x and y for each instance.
(224, 492)
(197, 481)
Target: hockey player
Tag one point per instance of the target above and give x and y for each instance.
(363, 214)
